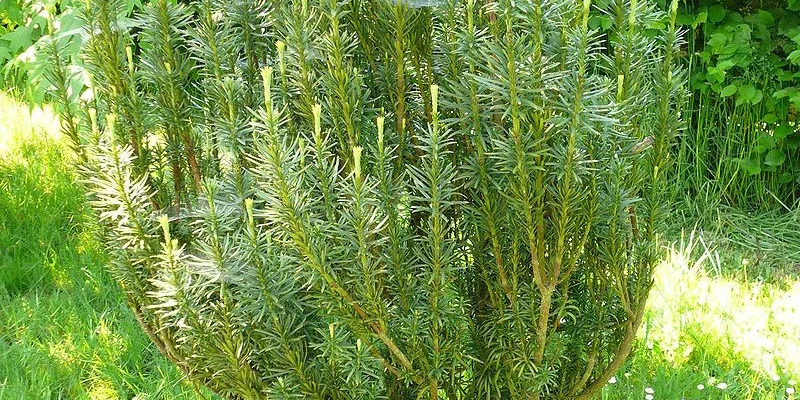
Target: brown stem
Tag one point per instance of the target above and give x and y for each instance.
(544, 317)
(190, 155)
(177, 179)
(619, 357)
(590, 363)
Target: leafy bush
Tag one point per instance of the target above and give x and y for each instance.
(367, 199)
(744, 142)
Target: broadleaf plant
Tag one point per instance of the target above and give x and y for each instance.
(365, 199)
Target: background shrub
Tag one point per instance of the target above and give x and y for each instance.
(294, 209)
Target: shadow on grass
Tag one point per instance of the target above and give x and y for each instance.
(65, 332)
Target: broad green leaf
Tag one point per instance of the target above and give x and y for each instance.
(702, 17)
(725, 65)
(786, 92)
(764, 143)
(749, 166)
(729, 90)
(759, 95)
(794, 57)
(718, 40)
(766, 18)
(775, 158)
(685, 19)
(715, 75)
(747, 92)
(12, 11)
(783, 130)
(19, 38)
(716, 13)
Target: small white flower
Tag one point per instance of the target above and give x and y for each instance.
(700, 387)
(776, 378)
(648, 397)
(745, 261)
(790, 390)
(649, 390)
(613, 380)
(722, 386)
(649, 345)
(791, 382)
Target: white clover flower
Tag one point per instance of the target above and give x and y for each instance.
(700, 387)
(775, 378)
(613, 380)
(649, 390)
(790, 390)
(648, 397)
(722, 386)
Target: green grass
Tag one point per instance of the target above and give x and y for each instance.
(706, 325)
(65, 332)
(725, 308)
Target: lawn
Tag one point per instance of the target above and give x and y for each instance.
(65, 332)
(723, 320)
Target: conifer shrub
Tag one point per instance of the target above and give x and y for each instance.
(364, 199)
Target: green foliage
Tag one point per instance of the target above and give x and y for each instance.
(34, 35)
(355, 200)
(744, 141)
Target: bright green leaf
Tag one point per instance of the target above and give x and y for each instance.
(794, 57)
(766, 18)
(729, 90)
(702, 17)
(19, 39)
(749, 166)
(759, 95)
(770, 118)
(716, 13)
(718, 40)
(775, 158)
(764, 143)
(747, 92)
(783, 130)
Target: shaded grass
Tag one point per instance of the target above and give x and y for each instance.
(759, 247)
(65, 332)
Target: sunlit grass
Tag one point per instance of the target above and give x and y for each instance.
(19, 123)
(707, 336)
(65, 332)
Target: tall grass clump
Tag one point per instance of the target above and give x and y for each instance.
(743, 142)
(368, 199)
